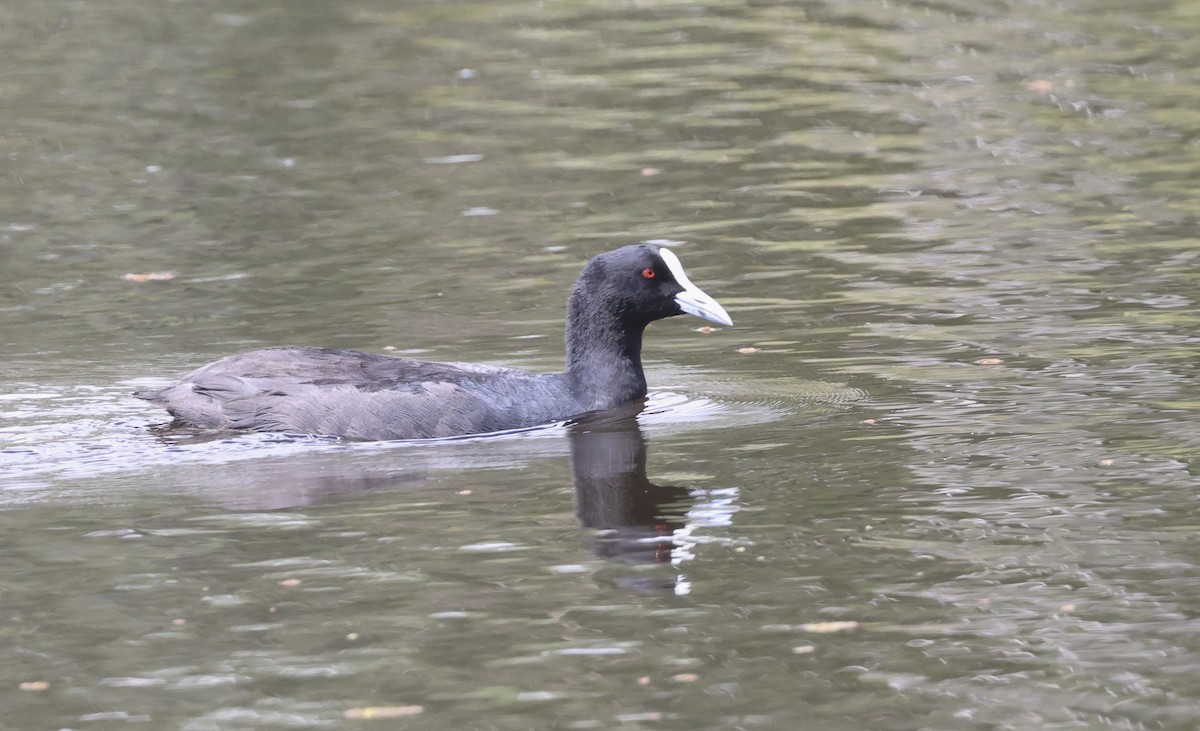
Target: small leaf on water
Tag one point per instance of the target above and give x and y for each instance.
(149, 277)
(374, 712)
(824, 628)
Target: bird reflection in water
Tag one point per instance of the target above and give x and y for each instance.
(638, 522)
(613, 494)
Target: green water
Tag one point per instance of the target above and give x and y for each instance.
(942, 474)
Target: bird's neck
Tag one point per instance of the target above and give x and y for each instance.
(604, 356)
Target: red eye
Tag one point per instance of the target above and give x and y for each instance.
(649, 273)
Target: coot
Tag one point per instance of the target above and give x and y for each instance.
(356, 395)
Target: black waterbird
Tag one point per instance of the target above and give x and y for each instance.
(357, 395)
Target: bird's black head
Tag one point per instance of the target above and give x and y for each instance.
(641, 284)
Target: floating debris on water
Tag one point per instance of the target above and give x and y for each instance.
(375, 712)
(148, 277)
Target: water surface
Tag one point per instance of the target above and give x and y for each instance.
(942, 473)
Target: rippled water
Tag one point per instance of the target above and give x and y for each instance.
(942, 474)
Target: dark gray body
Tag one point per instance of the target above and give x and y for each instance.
(357, 395)
(363, 396)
